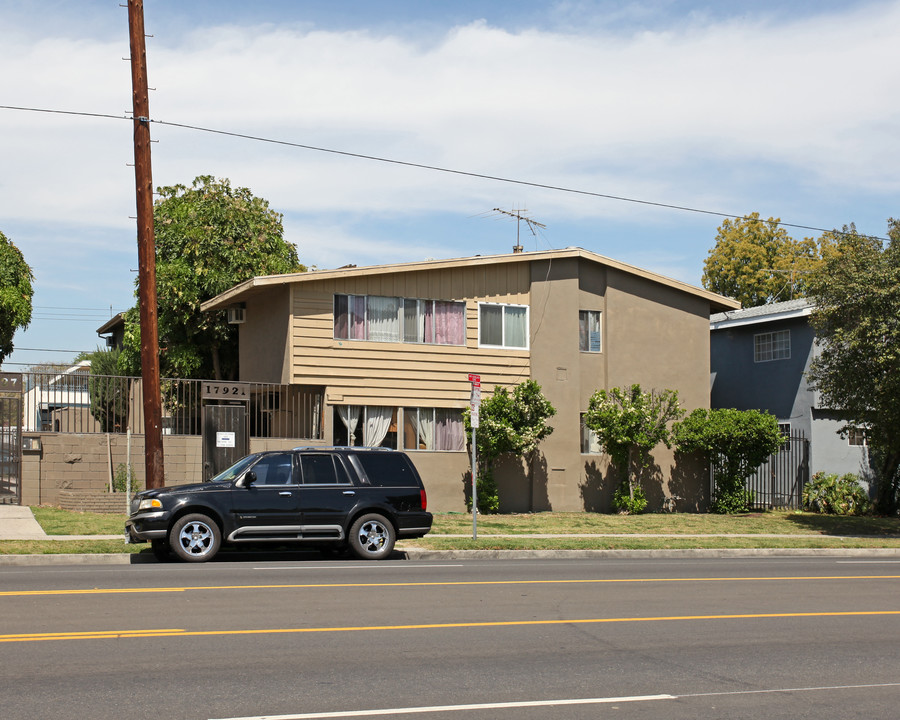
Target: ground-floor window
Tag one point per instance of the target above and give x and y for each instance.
(368, 425)
(433, 429)
(590, 445)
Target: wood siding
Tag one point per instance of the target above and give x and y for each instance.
(361, 372)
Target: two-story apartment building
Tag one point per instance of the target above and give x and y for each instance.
(390, 348)
(760, 357)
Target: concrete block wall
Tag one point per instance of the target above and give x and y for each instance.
(85, 462)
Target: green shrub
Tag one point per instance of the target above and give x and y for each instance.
(120, 480)
(628, 501)
(488, 494)
(732, 496)
(832, 495)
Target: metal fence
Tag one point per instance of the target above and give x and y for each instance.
(78, 402)
(779, 481)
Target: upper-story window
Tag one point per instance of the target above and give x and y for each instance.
(589, 331)
(394, 319)
(772, 346)
(503, 325)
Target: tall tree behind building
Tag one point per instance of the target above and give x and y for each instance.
(757, 262)
(15, 294)
(209, 237)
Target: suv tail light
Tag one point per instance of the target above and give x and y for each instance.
(424, 498)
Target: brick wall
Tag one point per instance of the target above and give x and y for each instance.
(92, 501)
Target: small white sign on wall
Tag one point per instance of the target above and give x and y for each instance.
(225, 439)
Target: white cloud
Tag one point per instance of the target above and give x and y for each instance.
(779, 110)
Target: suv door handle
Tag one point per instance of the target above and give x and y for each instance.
(285, 493)
(349, 492)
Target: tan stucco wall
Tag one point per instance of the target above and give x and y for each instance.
(651, 335)
(264, 339)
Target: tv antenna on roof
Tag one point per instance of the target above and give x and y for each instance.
(520, 216)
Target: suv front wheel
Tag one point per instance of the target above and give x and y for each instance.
(195, 538)
(372, 537)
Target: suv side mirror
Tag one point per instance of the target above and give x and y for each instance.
(248, 479)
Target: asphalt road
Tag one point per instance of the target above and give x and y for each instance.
(737, 638)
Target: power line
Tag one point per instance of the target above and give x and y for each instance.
(50, 350)
(436, 168)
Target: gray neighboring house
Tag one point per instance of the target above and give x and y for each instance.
(758, 360)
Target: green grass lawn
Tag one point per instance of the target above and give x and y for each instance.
(805, 530)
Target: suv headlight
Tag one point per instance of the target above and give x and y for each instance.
(150, 504)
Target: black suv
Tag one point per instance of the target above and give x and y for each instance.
(335, 498)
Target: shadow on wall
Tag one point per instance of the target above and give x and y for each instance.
(598, 486)
(687, 491)
(514, 487)
(689, 485)
(651, 481)
(540, 491)
(511, 475)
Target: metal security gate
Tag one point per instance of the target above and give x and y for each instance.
(226, 436)
(778, 482)
(10, 438)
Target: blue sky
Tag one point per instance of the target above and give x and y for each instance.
(788, 109)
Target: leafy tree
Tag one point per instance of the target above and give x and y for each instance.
(209, 237)
(735, 443)
(856, 317)
(757, 262)
(15, 294)
(629, 423)
(508, 423)
(109, 394)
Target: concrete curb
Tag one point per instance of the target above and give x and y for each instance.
(434, 555)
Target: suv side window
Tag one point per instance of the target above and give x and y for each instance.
(386, 469)
(275, 469)
(321, 469)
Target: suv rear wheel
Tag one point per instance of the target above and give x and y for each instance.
(372, 537)
(195, 538)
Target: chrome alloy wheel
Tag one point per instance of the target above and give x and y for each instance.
(373, 536)
(196, 538)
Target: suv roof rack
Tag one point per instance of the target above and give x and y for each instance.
(344, 447)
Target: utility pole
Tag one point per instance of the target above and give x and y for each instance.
(143, 182)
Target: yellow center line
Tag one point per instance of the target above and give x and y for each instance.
(455, 583)
(128, 634)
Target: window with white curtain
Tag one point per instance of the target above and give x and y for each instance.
(590, 445)
(383, 317)
(503, 325)
(394, 319)
(589, 331)
(368, 425)
(438, 429)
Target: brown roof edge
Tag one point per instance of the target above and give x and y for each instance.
(718, 303)
(111, 324)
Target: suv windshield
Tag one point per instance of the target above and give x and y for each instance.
(237, 469)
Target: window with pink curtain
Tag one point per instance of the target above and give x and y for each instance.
(357, 317)
(449, 323)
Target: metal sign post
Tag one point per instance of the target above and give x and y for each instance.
(474, 408)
